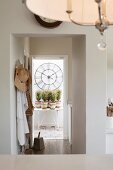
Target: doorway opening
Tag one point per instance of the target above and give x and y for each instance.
(36, 48)
(49, 96)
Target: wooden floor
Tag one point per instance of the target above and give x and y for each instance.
(54, 147)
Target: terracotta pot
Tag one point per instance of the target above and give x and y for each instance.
(44, 105)
(52, 105)
(38, 104)
(58, 104)
(48, 104)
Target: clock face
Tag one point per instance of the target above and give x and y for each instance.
(48, 20)
(48, 76)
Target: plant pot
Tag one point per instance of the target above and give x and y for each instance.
(58, 104)
(53, 105)
(48, 104)
(38, 104)
(44, 105)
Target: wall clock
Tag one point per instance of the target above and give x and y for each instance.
(45, 22)
(48, 76)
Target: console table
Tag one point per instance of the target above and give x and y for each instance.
(56, 110)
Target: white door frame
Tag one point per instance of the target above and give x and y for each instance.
(65, 79)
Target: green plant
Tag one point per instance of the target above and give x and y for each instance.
(38, 95)
(44, 96)
(53, 97)
(58, 95)
(49, 95)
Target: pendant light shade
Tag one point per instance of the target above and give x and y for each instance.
(84, 11)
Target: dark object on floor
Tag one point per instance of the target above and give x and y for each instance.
(54, 147)
(28, 152)
(38, 143)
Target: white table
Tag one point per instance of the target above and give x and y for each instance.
(46, 110)
(56, 162)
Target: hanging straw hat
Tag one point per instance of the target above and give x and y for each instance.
(21, 78)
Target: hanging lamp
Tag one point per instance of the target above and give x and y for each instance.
(98, 13)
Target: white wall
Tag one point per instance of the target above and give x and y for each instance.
(26, 51)
(96, 82)
(16, 52)
(109, 64)
(15, 18)
(79, 96)
(109, 120)
(27, 46)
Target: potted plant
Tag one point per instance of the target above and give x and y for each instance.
(53, 100)
(58, 97)
(49, 97)
(38, 99)
(44, 103)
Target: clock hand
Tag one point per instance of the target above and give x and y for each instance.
(54, 73)
(49, 77)
(44, 74)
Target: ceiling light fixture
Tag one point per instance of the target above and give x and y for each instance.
(98, 13)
